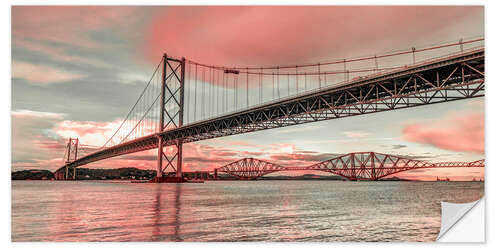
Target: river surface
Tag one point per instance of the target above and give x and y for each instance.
(233, 210)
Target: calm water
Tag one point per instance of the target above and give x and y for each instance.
(233, 210)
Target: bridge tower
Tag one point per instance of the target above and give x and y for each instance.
(71, 155)
(171, 116)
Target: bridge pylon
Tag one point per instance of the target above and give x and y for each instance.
(71, 155)
(171, 117)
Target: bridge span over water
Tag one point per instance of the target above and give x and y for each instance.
(185, 101)
(353, 166)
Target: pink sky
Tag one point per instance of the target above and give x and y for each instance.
(87, 65)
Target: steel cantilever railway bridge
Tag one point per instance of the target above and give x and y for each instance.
(171, 112)
(353, 166)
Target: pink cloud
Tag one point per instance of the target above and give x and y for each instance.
(262, 35)
(455, 132)
(91, 133)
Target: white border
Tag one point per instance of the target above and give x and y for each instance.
(492, 11)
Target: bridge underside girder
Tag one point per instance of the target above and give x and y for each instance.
(446, 79)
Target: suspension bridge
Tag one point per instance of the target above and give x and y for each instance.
(185, 101)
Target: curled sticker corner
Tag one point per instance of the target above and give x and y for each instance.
(451, 213)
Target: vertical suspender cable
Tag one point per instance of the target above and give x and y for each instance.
(235, 93)
(224, 91)
(187, 89)
(212, 99)
(217, 98)
(260, 86)
(146, 116)
(413, 53)
(278, 82)
(345, 71)
(226, 85)
(209, 91)
(273, 82)
(247, 87)
(195, 89)
(288, 83)
(203, 95)
(297, 79)
(319, 75)
(305, 80)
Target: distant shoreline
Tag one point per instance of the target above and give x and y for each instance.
(135, 174)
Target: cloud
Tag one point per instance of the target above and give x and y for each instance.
(39, 138)
(85, 38)
(460, 132)
(302, 158)
(356, 134)
(263, 35)
(300, 128)
(23, 113)
(33, 140)
(67, 24)
(98, 133)
(41, 74)
(398, 146)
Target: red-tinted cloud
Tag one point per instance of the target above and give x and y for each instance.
(287, 35)
(90, 133)
(461, 132)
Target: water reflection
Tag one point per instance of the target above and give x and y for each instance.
(233, 211)
(166, 213)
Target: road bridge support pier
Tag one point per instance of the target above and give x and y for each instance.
(173, 73)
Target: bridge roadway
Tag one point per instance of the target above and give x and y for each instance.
(454, 77)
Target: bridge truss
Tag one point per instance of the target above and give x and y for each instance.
(353, 166)
(249, 168)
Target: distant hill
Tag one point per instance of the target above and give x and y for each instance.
(32, 174)
(88, 174)
(394, 178)
(113, 174)
(139, 174)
